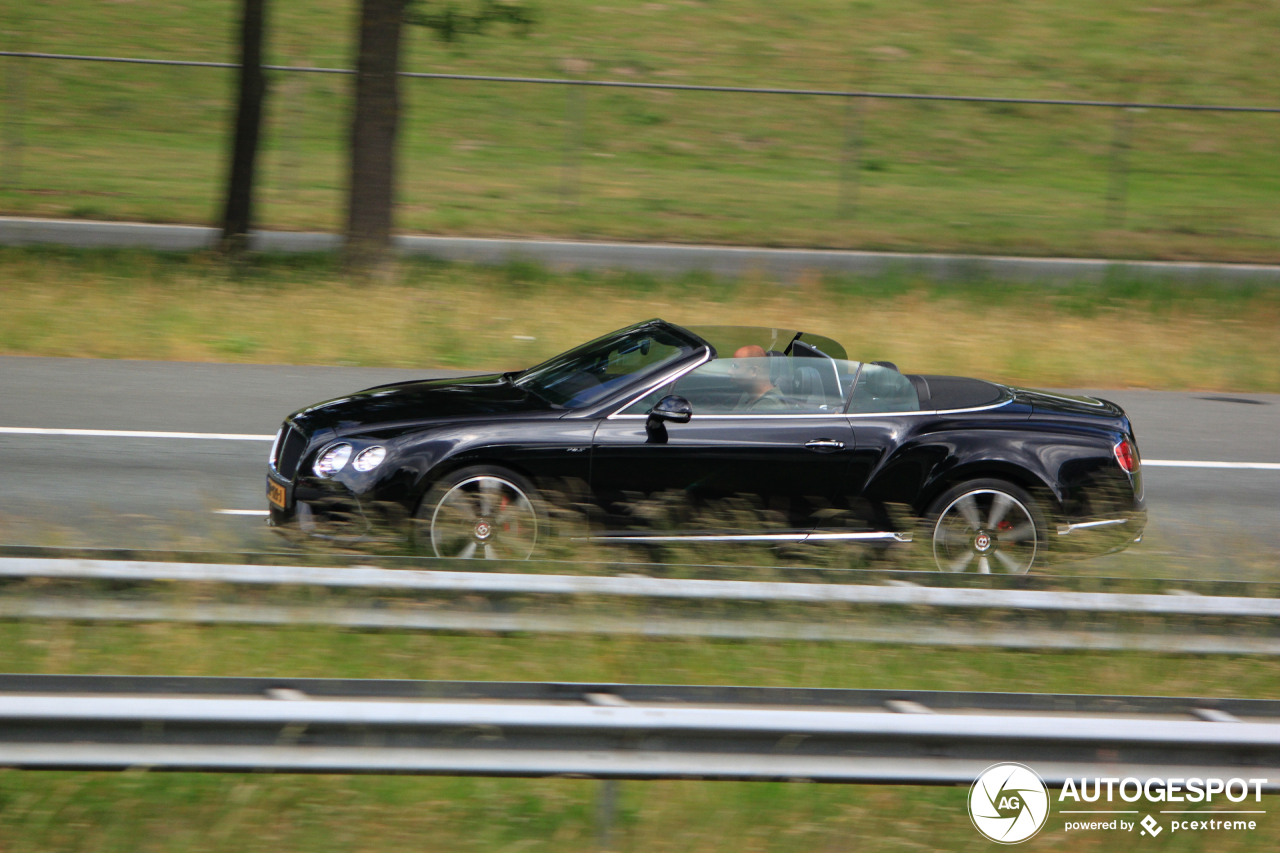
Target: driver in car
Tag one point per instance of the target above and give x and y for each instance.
(749, 371)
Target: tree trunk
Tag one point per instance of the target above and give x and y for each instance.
(238, 213)
(373, 135)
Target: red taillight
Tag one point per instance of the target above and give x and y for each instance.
(1127, 456)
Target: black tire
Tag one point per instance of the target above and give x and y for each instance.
(481, 512)
(987, 526)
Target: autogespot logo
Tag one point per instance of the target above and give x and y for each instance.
(1009, 803)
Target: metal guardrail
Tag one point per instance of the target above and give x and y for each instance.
(621, 731)
(902, 612)
(686, 87)
(495, 583)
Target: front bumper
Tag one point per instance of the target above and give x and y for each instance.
(327, 509)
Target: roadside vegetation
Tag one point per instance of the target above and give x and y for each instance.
(139, 811)
(148, 143)
(302, 310)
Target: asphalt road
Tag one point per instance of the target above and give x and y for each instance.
(136, 492)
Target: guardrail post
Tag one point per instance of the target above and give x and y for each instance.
(573, 120)
(1118, 178)
(15, 69)
(606, 811)
(847, 204)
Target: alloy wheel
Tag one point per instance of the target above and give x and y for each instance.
(484, 517)
(985, 531)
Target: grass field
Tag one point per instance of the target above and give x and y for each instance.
(304, 311)
(138, 811)
(124, 142)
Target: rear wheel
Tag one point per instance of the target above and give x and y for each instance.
(482, 512)
(985, 526)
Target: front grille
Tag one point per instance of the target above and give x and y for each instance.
(292, 445)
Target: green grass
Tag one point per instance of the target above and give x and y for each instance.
(138, 811)
(121, 142)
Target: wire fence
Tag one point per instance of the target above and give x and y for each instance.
(505, 154)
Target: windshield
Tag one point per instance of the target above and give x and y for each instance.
(591, 372)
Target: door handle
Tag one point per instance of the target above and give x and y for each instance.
(824, 444)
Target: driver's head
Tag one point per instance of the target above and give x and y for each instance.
(750, 369)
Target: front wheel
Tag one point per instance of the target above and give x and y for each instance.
(985, 526)
(481, 512)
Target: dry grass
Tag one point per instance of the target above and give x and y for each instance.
(193, 308)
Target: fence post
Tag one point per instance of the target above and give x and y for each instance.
(573, 120)
(606, 811)
(1118, 178)
(15, 68)
(847, 204)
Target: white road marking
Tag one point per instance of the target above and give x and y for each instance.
(261, 513)
(127, 433)
(1179, 463)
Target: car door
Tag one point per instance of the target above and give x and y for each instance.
(741, 468)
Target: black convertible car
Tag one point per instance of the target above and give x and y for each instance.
(982, 477)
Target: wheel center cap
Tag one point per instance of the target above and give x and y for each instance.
(982, 542)
(483, 529)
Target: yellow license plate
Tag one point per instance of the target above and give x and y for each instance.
(275, 493)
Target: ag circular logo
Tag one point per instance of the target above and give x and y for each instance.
(1009, 803)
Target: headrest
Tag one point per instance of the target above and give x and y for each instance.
(806, 382)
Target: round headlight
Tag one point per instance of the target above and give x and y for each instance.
(332, 460)
(369, 458)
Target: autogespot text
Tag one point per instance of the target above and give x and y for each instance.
(1190, 790)
(1218, 798)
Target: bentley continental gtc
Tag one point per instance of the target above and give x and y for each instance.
(978, 476)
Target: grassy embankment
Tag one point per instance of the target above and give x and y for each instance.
(303, 311)
(127, 142)
(188, 812)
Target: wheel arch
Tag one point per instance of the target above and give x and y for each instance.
(449, 465)
(1026, 477)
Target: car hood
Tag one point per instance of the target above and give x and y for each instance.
(425, 400)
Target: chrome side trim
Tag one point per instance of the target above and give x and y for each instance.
(795, 416)
(866, 536)
(932, 412)
(834, 414)
(1066, 529)
(861, 536)
(700, 537)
